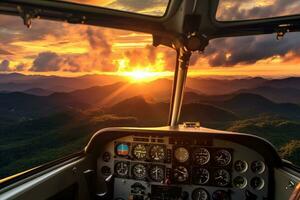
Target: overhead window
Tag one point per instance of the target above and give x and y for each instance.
(232, 10)
(146, 7)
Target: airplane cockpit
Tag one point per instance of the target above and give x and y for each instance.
(182, 160)
(192, 164)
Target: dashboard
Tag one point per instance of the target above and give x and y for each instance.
(146, 166)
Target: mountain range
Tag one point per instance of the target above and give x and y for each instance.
(282, 90)
(45, 117)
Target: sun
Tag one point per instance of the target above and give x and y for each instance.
(140, 76)
(141, 73)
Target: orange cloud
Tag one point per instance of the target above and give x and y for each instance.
(56, 47)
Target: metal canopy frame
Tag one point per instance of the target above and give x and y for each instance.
(187, 26)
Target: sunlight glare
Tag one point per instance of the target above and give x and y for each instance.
(142, 76)
(142, 73)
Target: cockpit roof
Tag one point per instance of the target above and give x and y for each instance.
(180, 18)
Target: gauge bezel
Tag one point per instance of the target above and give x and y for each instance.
(244, 184)
(134, 145)
(196, 190)
(176, 160)
(116, 151)
(262, 185)
(194, 177)
(229, 151)
(216, 182)
(196, 150)
(188, 174)
(103, 172)
(245, 169)
(133, 174)
(160, 166)
(128, 171)
(260, 171)
(162, 147)
(106, 156)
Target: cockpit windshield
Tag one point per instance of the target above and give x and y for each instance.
(60, 83)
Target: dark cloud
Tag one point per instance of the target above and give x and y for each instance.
(21, 67)
(98, 40)
(4, 66)
(12, 29)
(47, 61)
(250, 49)
(101, 50)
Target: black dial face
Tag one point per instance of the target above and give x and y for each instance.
(220, 195)
(157, 153)
(122, 168)
(239, 182)
(106, 157)
(181, 154)
(222, 157)
(106, 171)
(140, 151)
(200, 176)
(180, 174)
(201, 156)
(257, 183)
(157, 173)
(258, 167)
(200, 194)
(241, 166)
(139, 171)
(221, 177)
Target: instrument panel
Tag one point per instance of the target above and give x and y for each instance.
(152, 167)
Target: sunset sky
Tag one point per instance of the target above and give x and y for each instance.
(70, 50)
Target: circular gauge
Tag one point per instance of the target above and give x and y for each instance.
(220, 195)
(257, 183)
(258, 167)
(240, 182)
(241, 166)
(201, 156)
(106, 157)
(140, 151)
(122, 149)
(200, 176)
(222, 177)
(180, 174)
(222, 157)
(106, 171)
(139, 171)
(122, 168)
(181, 154)
(200, 194)
(157, 153)
(157, 173)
